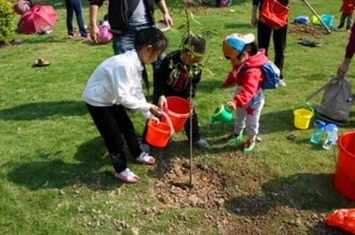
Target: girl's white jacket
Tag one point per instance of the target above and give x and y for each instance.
(117, 81)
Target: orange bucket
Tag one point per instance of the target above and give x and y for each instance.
(344, 178)
(158, 133)
(178, 110)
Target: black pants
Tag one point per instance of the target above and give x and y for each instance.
(279, 38)
(113, 122)
(195, 128)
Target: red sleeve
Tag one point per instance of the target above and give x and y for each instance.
(250, 86)
(231, 77)
(350, 49)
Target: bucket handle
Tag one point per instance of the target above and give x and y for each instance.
(179, 115)
(169, 122)
(305, 105)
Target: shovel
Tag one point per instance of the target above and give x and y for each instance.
(319, 18)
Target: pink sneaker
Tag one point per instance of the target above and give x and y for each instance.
(127, 176)
(144, 158)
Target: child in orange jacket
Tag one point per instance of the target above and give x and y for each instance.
(347, 10)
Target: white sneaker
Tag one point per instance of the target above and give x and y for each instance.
(145, 158)
(127, 176)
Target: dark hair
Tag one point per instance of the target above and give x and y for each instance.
(198, 44)
(251, 49)
(150, 36)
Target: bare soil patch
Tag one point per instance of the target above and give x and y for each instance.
(239, 201)
(208, 189)
(309, 30)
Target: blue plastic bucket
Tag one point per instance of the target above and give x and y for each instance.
(328, 19)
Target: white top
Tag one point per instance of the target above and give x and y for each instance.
(117, 80)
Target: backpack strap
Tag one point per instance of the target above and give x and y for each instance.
(318, 90)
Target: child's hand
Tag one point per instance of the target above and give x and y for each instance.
(154, 118)
(155, 110)
(162, 102)
(231, 106)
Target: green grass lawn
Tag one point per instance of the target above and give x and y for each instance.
(56, 177)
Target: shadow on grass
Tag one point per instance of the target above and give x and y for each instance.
(52, 172)
(43, 110)
(239, 26)
(278, 121)
(40, 39)
(306, 191)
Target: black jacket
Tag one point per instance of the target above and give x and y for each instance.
(119, 12)
(172, 79)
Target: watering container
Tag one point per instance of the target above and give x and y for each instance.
(221, 113)
(332, 135)
(318, 132)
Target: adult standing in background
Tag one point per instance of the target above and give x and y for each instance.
(75, 6)
(264, 35)
(126, 18)
(349, 53)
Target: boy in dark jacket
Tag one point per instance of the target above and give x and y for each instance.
(172, 80)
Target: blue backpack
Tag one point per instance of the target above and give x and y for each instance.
(272, 76)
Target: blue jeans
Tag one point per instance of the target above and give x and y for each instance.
(75, 6)
(125, 42)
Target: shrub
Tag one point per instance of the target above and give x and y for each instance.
(6, 20)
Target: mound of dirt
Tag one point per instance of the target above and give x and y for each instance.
(309, 30)
(208, 188)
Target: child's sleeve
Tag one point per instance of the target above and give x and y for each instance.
(196, 80)
(230, 80)
(161, 76)
(250, 87)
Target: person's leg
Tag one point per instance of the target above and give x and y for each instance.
(239, 125)
(349, 22)
(196, 136)
(342, 21)
(264, 34)
(252, 120)
(69, 20)
(279, 37)
(106, 124)
(79, 17)
(128, 131)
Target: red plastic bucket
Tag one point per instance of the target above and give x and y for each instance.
(178, 110)
(158, 133)
(344, 178)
